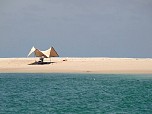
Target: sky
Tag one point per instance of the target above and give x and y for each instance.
(77, 28)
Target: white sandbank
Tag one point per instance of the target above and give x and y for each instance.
(78, 65)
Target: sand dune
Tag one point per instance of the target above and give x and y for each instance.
(78, 65)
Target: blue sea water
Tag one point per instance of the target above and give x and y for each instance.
(75, 94)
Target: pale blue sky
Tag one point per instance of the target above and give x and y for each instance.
(77, 28)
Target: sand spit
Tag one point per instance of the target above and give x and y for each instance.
(78, 65)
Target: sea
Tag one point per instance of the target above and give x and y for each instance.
(61, 93)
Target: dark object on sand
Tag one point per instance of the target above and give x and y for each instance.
(41, 59)
(40, 63)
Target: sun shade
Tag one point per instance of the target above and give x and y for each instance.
(47, 53)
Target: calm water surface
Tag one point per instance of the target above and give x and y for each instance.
(75, 94)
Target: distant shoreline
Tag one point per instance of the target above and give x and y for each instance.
(92, 65)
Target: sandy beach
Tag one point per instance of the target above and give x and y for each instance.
(78, 65)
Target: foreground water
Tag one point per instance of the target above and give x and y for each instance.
(75, 94)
